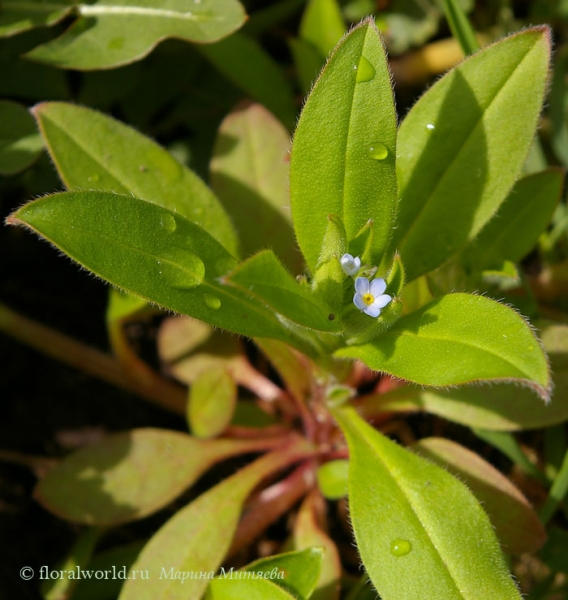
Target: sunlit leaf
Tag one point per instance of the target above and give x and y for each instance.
(94, 151)
(130, 475)
(456, 142)
(516, 524)
(212, 400)
(263, 276)
(417, 527)
(343, 154)
(500, 407)
(150, 252)
(108, 34)
(196, 538)
(308, 532)
(249, 174)
(458, 339)
(522, 218)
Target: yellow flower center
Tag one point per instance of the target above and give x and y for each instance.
(368, 299)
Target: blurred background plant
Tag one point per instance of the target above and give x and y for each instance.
(224, 102)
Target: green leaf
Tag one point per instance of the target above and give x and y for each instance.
(195, 540)
(78, 557)
(500, 407)
(93, 151)
(309, 532)
(252, 589)
(343, 154)
(457, 339)
(322, 25)
(20, 142)
(296, 572)
(20, 15)
(188, 348)
(332, 479)
(121, 306)
(516, 524)
(128, 476)
(212, 400)
(108, 34)
(417, 527)
(457, 140)
(117, 560)
(249, 174)
(152, 253)
(243, 61)
(524, 215)
(264, 277)
(308, 62)
(293, 368)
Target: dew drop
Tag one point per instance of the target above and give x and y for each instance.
(93, 178)
(365, 71)
(400, 547)
(168, 222)
(378, 151)
(430, 126)
(212, 301)
(181, 268)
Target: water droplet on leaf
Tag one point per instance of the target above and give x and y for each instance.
(365, 70)
(212, 301)
(181, 268)
(430, 126)
(168, 222)
(400, 547)
(378, 151)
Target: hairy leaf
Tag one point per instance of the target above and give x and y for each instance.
(420, 531)
(516, 524)
(94, 151)
(456, 161)
(343, 154)
(457, 339)
(152, 253)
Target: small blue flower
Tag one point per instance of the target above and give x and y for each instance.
(369, 296)
(350, 265)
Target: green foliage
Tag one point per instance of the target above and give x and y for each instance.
(455, 140)
(143, 470)
(377, 270)
(425, 540)
(20, 143)
(442, 344)
(100, 37)
(343, 155)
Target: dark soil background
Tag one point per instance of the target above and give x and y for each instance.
(47, 407)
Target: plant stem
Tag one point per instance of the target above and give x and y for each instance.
(57, 345)
(271, 504)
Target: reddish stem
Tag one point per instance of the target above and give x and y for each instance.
(271, 504)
